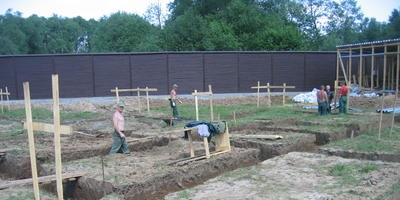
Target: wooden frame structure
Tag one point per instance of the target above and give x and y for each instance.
(196, 102)
(269, 87)
(56, 128)
(222, 143)
(376, 64)
(7, 94)
(138, 90)
(370, 64)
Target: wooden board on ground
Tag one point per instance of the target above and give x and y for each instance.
(38, 126)
(262, 137)
(43, 179)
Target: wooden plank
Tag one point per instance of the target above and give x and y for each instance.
(147, 100)
(283, 93)
(187, 160)
(31, 139)
(138, 97)
(196, 102)
(57, 133)
(43, 179)
(38, 126)
(117, 94)
(222, 142)
(269, 95)
(8, 98)
(211, 103)
(258, 94)
(190, 144)
(206, 147)
(265, 137)
(136, 90)
(273, 87)
(1, 100)
(195, 93)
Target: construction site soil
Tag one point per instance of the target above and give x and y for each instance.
(152, 170)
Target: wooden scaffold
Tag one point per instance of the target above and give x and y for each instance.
(372, 66)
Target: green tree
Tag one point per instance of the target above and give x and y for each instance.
(393, 28)
(372, 30)
(12, 36)
(122, 32)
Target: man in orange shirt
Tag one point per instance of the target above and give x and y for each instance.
(343, 92)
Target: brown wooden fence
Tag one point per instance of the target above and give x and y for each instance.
(93, 75)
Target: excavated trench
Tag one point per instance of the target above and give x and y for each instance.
(246, 152)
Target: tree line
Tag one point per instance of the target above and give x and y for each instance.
(200, 25)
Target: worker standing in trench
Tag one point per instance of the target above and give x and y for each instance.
(173, 101)
(119, 144)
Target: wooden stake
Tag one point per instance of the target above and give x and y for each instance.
(397, 86)
(31, 139)
(8, 99)
(1, 100)
(372, 68)
(381, 116)
(258, 94)
(284, 93)
(384, 68)
(190, 143)
(211, 103)
(117, 94)
(196, 102)
(360, 70)
(206, 148)
(138, 96)
(57, 139)
(147, 99)
(269, 95)
(234, 117)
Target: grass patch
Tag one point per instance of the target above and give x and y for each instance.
(350, 173)
(369, 142)
(42, 114)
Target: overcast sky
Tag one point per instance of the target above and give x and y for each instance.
(379, 9)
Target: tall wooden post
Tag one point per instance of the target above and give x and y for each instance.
(196, 102)
(117, 94)
(8, 99)
(381, 116)
(384, 69)
(147, 99)
(337, 65)
(57, 133)
(1, 100)
(373, 68)
(269, 95)
(360, 68)
(31, 139)
(284, 93)
(397, 87)
(138, 97)
(258, 94)
(211, 103)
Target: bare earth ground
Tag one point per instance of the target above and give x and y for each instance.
(120, 170)
(296, 176)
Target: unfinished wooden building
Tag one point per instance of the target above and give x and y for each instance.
(370, 65)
